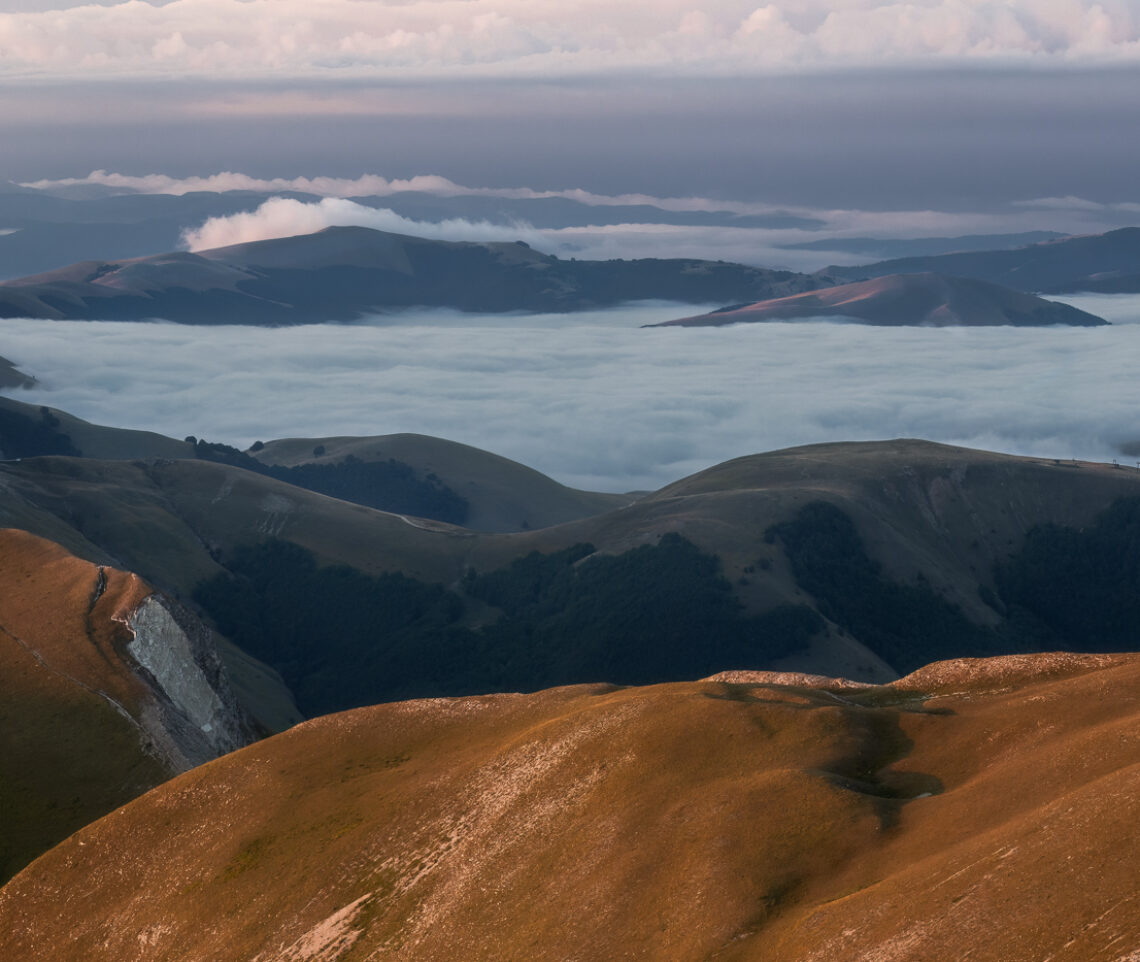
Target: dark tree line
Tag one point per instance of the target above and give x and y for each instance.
(341, 638)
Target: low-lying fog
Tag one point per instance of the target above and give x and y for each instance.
(593, 399)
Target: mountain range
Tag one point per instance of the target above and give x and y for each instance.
(342, 273)
(339, 273)
(1108, 263)
(859, 772)
(847, 700)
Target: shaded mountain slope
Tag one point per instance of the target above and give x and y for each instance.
(1100, 262)
(759, 818)
(926, 299)
(921, 525)
(339, 273)
(106, 689)
(11, 376)
(19, 420)
(492, 493)
(503, 495)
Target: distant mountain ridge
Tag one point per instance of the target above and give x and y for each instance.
(340, 273)
(1108, 263)
(926, 299)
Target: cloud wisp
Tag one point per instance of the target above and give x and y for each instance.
(542, 38)
(763, 246)
(593, 400)
(286, 217)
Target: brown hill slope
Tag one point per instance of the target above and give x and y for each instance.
(975, 809)
(106, 689)
(925, 299)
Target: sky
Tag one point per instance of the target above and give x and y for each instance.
(952, 105)
(593, 399)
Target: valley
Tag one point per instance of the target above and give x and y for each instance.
(569, 481)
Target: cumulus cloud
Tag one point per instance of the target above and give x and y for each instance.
(528, 38)
(594, 400)
(285, 217)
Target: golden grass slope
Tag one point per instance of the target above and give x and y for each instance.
(71, 745)
(980, 810)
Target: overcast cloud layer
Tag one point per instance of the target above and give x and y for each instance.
(544, 38)
(592, 399)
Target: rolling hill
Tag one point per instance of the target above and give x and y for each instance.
(107, 688)
(974, 809)
(929, 300)
(503, 495)
(340, 273)
(1101, 262)
(492, 493)
(864, 560)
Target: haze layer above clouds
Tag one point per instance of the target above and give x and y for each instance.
(592, 399)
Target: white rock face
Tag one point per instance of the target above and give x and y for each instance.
(174, 661)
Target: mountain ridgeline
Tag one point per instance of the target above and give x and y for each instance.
(920, 299)
(858, 560)
(340, 273)
(1106, 263)
(388, 485)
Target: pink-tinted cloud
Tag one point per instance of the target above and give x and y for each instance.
(241, 39)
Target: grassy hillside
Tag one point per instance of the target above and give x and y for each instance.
(27, 430)
(742, 819)
(403, 473)
(71, 743)
(502, 495)
(933, 522)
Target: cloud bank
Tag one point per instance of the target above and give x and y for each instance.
(425, 39)
(285, 217)
(763, 246)
(376, 185)
(593, 400)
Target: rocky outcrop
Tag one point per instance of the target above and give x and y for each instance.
(107, 689)
(195, 716)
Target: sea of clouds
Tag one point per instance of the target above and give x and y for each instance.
(595, 400)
